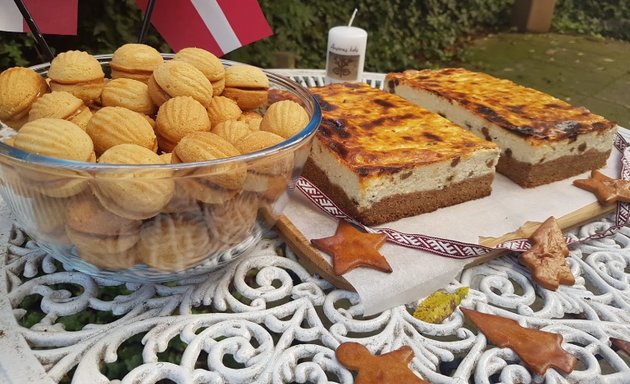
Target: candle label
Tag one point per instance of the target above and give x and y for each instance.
(342, 67)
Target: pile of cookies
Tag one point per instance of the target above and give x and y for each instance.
(152, 111)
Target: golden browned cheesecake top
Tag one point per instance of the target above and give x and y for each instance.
(519, 109)
(375, 132)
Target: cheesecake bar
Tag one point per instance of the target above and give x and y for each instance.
(381, 158)
(542, 139)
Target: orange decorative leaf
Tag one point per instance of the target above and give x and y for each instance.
(607, 189)
(351, 248)
(388, 368)
(439, 305)
(538, 350)
(546, 259)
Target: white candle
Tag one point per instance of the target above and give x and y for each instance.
(345, 54)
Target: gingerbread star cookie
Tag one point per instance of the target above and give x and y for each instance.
(389, 368)
(607, 190)
(546, 259)
(538, 350)
(351, 248)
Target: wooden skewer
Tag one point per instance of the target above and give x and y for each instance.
(146, 21)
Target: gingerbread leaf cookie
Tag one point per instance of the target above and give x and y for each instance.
(351, 248)
(538, 350)
(391, 367)
(547, 257)
(607, 190)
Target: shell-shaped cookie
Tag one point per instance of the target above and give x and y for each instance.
(255, 141)
(111, 126)
(87, 215)
(79, 73)
(129, 153)
(178, 78)
(55, 138)
(61, 105)
(135, 61)
(279, 164)
(231, 222)
(245, 77)
(284, 118)
(198, 189)
(246, 85)
(55, 104)
(108, 260)
(106, 252)
(252, 119)
(173, 242)
(75, 66)
(222, 108)
(206, 62)
(128, 93)
(43, 216)
(247, 99)
(19, 89)
(134, 194)
(101, 247)
(178, 117)
(89, 92)
(231, 130)
(202, 146)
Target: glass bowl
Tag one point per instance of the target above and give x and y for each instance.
(141, 223)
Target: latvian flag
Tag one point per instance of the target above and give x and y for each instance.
(57, 17)
(219, 26)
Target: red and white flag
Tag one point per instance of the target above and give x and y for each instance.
(58, 17)
(218, 26)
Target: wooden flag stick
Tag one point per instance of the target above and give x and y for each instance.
(146, 21)
(39, 38)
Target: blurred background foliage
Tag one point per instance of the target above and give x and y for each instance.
(607, 18)
(402, 33)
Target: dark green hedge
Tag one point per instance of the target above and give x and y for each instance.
(402, 33)
(609, 18)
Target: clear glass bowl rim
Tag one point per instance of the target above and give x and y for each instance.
(295, 141)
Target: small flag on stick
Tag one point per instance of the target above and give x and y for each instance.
(219, 26)
(58, 17)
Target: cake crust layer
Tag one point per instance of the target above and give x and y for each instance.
(532, 175)
(397, 206)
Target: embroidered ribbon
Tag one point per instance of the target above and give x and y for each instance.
(458, 249)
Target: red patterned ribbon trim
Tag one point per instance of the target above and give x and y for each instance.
(458, 249)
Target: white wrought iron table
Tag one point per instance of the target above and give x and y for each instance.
(265, 319)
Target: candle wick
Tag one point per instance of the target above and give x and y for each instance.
(352, 18)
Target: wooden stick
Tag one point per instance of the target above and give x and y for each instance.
(44, 49)
(145, 21)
